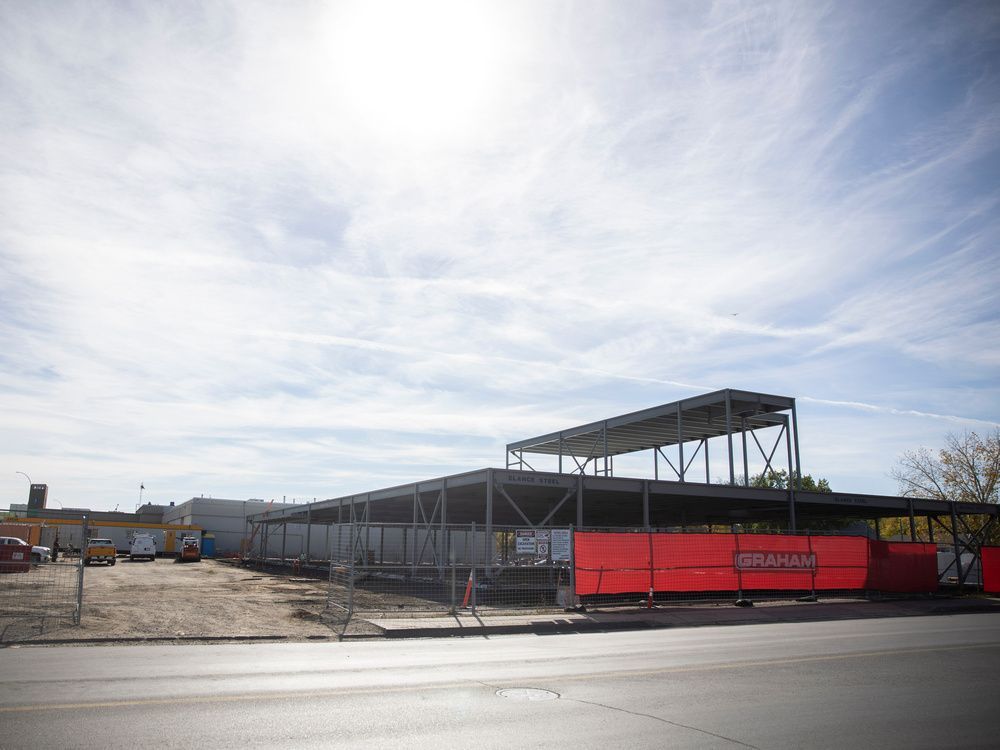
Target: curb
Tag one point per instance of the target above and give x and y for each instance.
(165, 639)
(552, 628)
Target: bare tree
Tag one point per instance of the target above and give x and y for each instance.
(967, 469)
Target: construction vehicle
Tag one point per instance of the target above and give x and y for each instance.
(190, 551)
(99, 550)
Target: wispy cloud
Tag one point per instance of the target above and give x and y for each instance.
(228, 265)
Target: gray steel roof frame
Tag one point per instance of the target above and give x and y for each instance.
(676, 423)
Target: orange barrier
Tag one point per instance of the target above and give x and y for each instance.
(626, 562)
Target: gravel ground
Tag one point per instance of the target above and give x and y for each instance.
(209, 599)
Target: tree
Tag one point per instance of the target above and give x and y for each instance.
(778, 480)
(966, 470)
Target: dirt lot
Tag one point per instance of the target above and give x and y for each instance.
(211, 598)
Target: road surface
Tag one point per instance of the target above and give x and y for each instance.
(902, 682)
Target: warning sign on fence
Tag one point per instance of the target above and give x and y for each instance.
(526, 542)
(560, 544)
(542, 540)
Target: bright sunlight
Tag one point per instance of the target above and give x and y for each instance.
(418, 73)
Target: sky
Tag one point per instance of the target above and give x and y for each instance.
(307, 249)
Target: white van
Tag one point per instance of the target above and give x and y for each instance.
(143, 546)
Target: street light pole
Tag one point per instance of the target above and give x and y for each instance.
(24, 475)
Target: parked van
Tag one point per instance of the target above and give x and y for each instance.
(143, 547)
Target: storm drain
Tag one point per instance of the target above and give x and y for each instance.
(527, 694)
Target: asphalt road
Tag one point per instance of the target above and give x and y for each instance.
(902, 682)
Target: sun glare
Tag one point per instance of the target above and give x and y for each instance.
(417, 71)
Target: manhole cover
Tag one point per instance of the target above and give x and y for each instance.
(527, 694)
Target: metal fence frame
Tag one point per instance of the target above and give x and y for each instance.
(446, 570)
(47, 592)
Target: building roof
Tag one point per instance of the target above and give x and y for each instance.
(710, 415)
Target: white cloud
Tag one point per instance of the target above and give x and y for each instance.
(218, 271)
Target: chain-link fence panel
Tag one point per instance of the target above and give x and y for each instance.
(39, 594)
(403, 570)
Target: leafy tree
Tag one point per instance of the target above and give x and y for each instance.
(967, 470)
(778, 480)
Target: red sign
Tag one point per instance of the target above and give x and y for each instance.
(775, 561)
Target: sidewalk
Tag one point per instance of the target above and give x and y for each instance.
(672, 617)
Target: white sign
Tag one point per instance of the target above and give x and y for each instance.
(526, 542)
(560, 544)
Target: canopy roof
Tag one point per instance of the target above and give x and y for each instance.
(710, 415)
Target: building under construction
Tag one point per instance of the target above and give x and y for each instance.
(568, 479)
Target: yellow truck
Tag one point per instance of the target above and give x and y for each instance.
(99, 550)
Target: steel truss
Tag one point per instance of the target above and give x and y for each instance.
(674, 426)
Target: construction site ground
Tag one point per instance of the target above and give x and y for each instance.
(213, 600)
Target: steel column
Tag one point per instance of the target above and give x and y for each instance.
(746, 463)
(309, 532)
(489, 516)
(729, 437)
(798, 465)
(790, 488)
(413, 560)
(680, 439)
(605, 448)
(958, 551)
(645, 503)
(579, 501)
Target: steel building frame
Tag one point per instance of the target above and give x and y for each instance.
(523, 497)
(726, 413)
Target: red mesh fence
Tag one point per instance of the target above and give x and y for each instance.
(991, 569)
(902, 566)
(624, 562)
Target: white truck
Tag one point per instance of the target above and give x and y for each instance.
(143, 547)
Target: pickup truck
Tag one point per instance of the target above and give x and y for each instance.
(39, 554)
(99, 550)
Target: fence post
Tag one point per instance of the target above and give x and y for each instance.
(812, 561)
(740, 601)
(649, 539)
(79, 580)
(350, 576)
(472, 572)
(451, 554)
(572, 567)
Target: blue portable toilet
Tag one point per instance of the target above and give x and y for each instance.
(208, 545)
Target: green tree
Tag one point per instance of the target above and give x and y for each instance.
(778, 480)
